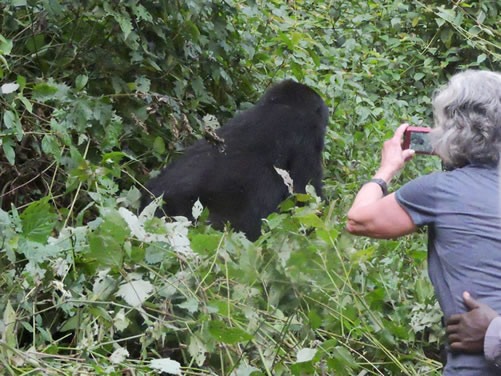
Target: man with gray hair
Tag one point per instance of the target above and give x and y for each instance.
(460, 207)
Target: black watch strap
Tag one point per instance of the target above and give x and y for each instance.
(381, 183)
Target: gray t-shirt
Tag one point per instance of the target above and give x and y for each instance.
(462, 210)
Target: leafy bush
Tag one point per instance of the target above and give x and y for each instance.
(96, 95)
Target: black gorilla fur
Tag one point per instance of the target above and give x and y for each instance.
(237, 180)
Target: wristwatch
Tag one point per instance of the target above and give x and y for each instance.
(381, 183)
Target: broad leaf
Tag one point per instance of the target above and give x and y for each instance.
(38, 220)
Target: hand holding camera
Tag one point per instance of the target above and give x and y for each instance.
(417, 139)
(393, 156)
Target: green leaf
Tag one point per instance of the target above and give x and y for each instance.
(418, 76)
(35, 43)
(481, 17)
(8, 150)
(43, 90)
(159, 145)
(191, 305)
(103, 287)
(396, 22)
(342, 361)
(203, 243)
(71, 324)
(11, 121)
(38, 220)
(142, 84)
(315, 320)
(53, 7)
(219, 306)
(123, 20)
(154, 254)
(198, 87)
(197, 350)
(9, 322)
(222, 333)
(448, 15)
(113, 157)
(310, 219)
(5, 45)
(81, 81)
(19, 3)
(481, 58)
(303, 368)
(27, 104)
(135, 292)
(142, 13)
(106, 242)
(51, 146)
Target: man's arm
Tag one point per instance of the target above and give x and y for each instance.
(374, 215)
(475, 331)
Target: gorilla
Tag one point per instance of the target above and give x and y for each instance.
(235, 177)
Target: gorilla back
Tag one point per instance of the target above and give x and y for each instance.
(238, 182)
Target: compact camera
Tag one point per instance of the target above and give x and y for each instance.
(417, 139)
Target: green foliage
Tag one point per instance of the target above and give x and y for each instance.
(96, 95)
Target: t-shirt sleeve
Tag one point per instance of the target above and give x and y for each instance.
(492, 342)
(418, 199)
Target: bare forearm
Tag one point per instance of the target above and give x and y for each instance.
(371, 192)
(359, 219)
(372, 214)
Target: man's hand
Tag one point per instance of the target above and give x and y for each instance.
(466, 331)
(393, 158)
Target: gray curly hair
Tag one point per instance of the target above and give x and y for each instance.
(467, 113)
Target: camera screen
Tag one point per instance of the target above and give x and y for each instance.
(420, 142)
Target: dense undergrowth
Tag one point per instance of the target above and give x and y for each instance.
(98, 95)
